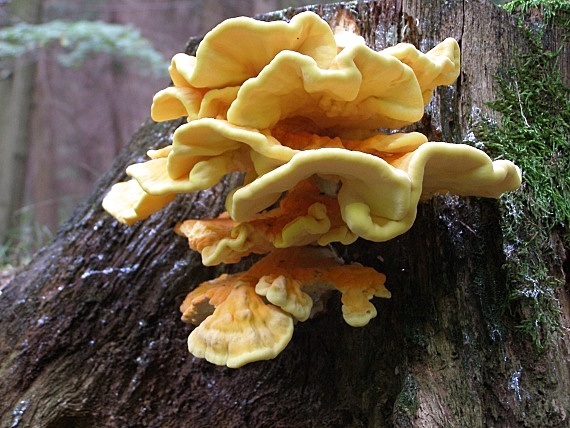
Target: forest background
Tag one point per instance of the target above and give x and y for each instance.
(72, 97)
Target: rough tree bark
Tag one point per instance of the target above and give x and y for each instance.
(91, 334)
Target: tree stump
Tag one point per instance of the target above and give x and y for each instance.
(91, 333)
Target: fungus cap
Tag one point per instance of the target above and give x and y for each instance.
(128, 203)
(304, 216)
(351, 90)
(378, 200)
(222, 240)
(242, 329)
(201, 302)
(299, 272)
(203, 151)
(248, 316)
(358, 284)
(259, 43)
(287, 294)
(439, 66)
(198, 93)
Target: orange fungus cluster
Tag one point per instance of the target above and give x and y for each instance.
(300, 115)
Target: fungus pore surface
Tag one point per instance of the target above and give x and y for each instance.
(297, 109)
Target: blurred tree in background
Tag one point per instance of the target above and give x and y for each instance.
(76, 80)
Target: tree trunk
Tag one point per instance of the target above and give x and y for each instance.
(16, 92)
(92, 334)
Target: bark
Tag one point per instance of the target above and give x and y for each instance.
(91, 333)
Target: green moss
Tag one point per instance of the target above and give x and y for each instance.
(406, 404)
(535, 134)
(555, 12)
(492, 295)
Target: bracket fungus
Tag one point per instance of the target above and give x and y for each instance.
(249, 316)
(297, 109)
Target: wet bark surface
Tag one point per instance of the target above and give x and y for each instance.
(91, 333)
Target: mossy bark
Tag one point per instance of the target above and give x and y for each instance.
(91, 334)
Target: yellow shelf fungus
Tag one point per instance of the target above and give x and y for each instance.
(297, 108)
(249, 316)
(304, 216)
